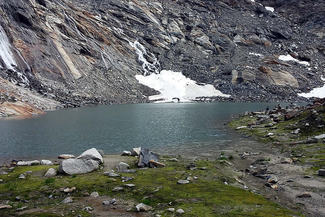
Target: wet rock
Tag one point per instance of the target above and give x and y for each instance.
(321, 172)
(143, 207)
(180, 211)
(50, 173)
(28, 163)
(183, 182)
(92, 154)
(67, 200)
(94, 194)
(126, 153)
(145, 157)
(78, 166)
(66, 156)
(46, 162)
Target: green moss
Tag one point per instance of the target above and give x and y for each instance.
(205, 196)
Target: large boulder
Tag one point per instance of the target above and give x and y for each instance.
(146, 157)
(78, 166)
(93, 154)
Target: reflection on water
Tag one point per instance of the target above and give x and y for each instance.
(162, 127)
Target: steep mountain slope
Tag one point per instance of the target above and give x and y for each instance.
(77, 52)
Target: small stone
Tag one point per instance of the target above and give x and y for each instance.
(22, 176)
(272, 179)
(113, 201)
(126, 179)
(126, 153)
(18, 198)
(173, 160)
(270, 134)
(189, 178)
(130, 185)
(241, 127)
(67, 200)
(46, 162)
(4, 206)
(28, 163)
(202, 168)
(180, 211)
(116, 189)
(1, 180)
(111, 174)
(136, 151)
(88, 209)
(94, 194)
(183, 182)
(307, 177)
(304, 195)
(51, 172)
(171, 209)
(21, 208)
(286, 161)
(106, 203)
(69, 190)
(141, 207)
(321, 172)
(66, 156)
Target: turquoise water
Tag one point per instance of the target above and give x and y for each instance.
(120, 127)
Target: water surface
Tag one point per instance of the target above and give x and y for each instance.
(162, 127)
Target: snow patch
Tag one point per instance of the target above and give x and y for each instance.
(173, 85)
(290, 58)
(269, 8)
(256, 54)
(316, 92)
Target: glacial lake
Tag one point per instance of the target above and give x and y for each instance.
(167, 128)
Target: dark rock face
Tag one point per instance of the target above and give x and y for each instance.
(78, 52)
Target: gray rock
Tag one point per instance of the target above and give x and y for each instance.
(67, 200)
(121, 167)
(171, 209)
(88, 209)
(145, 157)
(46, 162)
(78, 166)
(180, 211)
(50, 172)
(183, 182)
(141, 207)
(136, 151)
(173, 160)
(304, 195)
(28, 163)
(126, 153)
(22, 176)
(116, 189)
(21, 208)
(321, 172)
(130, 185)
(94, 194)
(111, 174)
(272, 179)
(92, 154)
(66, 156)
(106, 202)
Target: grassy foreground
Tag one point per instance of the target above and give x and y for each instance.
(206, 194)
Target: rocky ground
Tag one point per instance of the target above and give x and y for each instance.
(178, 187)
(79, 52)
(293, 163)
